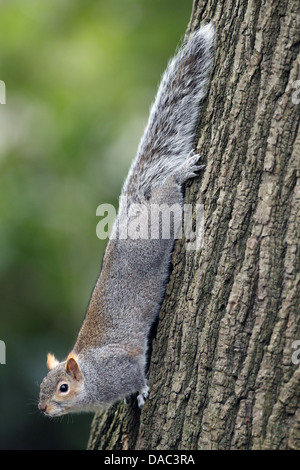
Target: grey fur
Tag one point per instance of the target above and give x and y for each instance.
(111, 346)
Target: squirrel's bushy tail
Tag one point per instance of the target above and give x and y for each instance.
(170, 132)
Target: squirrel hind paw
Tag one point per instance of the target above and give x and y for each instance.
(141, 397)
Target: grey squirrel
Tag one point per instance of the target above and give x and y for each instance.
(107, 362)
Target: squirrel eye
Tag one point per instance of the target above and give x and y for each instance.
(64, 388)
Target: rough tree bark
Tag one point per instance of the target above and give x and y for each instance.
(221, 373)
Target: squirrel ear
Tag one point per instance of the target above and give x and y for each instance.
(51, 361)
(72, 367)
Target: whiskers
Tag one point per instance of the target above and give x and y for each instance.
(32, 405)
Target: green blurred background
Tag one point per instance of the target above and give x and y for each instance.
(80, 77)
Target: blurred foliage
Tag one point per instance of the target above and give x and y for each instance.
(80, 77)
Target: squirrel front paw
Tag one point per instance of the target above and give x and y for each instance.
(141, 397)
(189, 167)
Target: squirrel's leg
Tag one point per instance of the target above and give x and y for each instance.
(170, 190)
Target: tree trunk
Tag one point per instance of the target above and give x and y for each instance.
(221, 374)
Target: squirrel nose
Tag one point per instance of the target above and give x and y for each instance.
(42, 407)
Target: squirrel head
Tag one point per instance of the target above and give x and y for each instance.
(63, 386)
